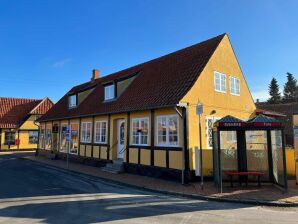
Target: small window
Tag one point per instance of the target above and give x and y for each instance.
(168, 130)
(109, 92)
(72, 101)
(234, 86)
(140, 131)
(219, 82)
(33, 137)
(9, 138)
(100, 132)
(86, 132)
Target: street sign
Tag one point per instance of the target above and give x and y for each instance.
(199, 109)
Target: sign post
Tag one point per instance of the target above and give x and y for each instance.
(199, 110)
(68, 133)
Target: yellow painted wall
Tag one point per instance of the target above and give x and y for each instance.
(133, 155)
(224, 61)
(96, 151)
(160, 158)
(145, 157)
(290, 161)
(23, 135)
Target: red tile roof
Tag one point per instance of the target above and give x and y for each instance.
(13, 111)
(161, 82)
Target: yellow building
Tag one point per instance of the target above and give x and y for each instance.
(145, 116)
(295, 122)
(18, 130)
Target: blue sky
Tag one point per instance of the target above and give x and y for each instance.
(48, 46)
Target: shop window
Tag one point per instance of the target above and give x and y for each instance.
(9, 138)
(33, 137)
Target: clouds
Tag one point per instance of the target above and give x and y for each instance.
(262, 95)
(61, 63)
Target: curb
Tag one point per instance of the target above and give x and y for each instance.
(171, 193)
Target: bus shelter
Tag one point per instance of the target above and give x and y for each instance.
(255, 146)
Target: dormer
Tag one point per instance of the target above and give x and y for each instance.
(109, 91)
(72, 101)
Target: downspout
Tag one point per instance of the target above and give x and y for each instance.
(185, 153)
(38, 125)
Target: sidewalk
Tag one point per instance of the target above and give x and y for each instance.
(267, 194)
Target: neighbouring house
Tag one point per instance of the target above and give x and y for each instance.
(18, 130)
(144, 117)
(283, 112)
(295, 136)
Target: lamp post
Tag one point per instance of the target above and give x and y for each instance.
(199, 113)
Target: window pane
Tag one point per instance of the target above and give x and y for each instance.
(33, 137)
(109, 92)
(173, 130)
(162, 131)
(63, 143)
(74, 138)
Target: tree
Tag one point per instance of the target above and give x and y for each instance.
(274, 92)
(290, 89)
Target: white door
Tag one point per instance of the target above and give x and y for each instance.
(120, 133)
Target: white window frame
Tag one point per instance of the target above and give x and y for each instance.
(70, 102)
(167, 130)
(100, 131)
(140, 119)
(213, 119)
(221, 75)
(109, 92)
(233, 84)
(85, 129)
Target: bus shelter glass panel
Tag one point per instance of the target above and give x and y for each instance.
(257, 152)
(277, 157)
(216, 160)
(228, 152)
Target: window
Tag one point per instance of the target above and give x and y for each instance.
(234, 86)
(86, 132)
(109, 92)
(140, 131)
(100, 132)
(209, 125)
(231, 136)
(74, 143)
(167, 130)
(63, 142)
(9, 138)
(219, 82)
(42, 137)
(72, 101)
(33, 137)
(48, 137)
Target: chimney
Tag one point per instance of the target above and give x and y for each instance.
(95, 74)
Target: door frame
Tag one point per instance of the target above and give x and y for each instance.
(119, 148)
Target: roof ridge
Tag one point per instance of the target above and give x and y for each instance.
(20, 98)
(151, 60)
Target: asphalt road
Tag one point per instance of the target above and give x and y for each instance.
(31, 193)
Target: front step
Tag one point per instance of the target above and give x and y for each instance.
(115, 167)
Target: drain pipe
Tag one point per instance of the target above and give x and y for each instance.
(185, 160)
